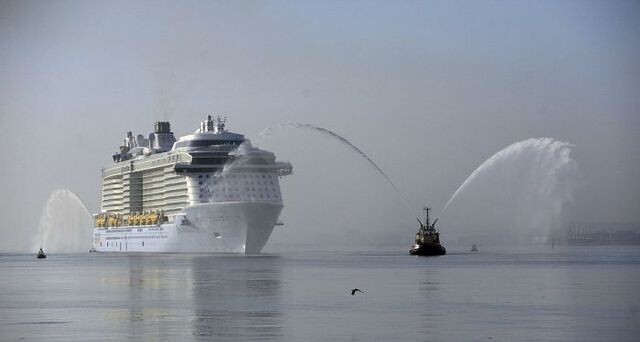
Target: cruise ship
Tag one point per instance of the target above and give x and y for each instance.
(208, 192)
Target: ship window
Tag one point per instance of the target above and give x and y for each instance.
(199, 176)
(199, 183)
(207, 176)
(263, 176)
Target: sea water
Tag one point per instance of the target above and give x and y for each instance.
(579, 293)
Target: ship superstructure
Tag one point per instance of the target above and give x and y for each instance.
(427, 241)
(210, 191)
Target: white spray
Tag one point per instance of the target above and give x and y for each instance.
(65, 224)
(240, 157)
(267, 131)
(532, 178)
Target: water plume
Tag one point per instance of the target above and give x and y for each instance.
(520, 189)
(65, 224)
(240, 157)
(326, 132)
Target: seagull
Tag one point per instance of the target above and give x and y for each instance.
(353, 291)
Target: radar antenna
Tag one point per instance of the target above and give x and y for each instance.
(221, 122)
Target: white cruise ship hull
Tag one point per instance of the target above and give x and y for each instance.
(220, 227)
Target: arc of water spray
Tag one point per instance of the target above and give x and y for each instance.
(241, 155)
(65, 224)
(511, 150)
(347, 143)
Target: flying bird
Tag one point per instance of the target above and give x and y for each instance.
(353, 291)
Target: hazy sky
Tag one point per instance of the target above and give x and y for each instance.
(428, 89)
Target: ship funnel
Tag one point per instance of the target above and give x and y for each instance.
(161, 127)
(162, 139)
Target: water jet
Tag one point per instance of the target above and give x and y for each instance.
(518, 193)
(65, 224)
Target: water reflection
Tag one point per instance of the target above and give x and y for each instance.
(189, 297)
(237, 298)
(148, 287)
(430, 300)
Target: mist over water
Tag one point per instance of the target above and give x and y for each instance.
(516, 195)
(65, 224)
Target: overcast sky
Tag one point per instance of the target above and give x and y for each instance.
(428, 89)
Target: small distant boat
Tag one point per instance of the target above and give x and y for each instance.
(427, 241)
(41, 254)
(474, 248)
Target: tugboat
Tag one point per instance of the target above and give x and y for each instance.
(427, 238)
(474, 248)
(41, 254)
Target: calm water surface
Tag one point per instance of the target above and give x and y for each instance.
(564, 294)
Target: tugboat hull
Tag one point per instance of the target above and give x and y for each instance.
(427, 250)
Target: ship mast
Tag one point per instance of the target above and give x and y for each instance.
(427, 209)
